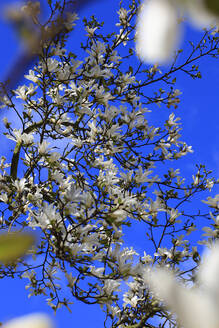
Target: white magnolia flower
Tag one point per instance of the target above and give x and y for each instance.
(43, 147)
(111, 286)
(212, 202)
(174, 214)
(31, 76)
(19, 137)
(158, 25)
(133, 301)
(52, 65)
(209, 184)
(20, 185)
(23, 91)
(157, 30)
(195, 307)
(36, 320)
(98, 272)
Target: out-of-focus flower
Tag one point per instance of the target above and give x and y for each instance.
(36, 320)
(195, 307)
(158, 29)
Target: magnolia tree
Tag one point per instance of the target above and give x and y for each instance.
(88, 164)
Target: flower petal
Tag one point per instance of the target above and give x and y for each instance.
(157, 31)
(208, 274)
(193, 308)
(36, 320)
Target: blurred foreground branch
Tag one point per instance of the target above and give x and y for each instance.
(34, 34)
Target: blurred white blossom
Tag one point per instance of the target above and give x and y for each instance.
(36, 320)
(158, 29)
(196, 307)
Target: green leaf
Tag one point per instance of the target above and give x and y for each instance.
(14, 245)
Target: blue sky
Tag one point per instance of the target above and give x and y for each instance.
(199, 112)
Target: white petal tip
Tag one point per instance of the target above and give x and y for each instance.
(36, 320)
